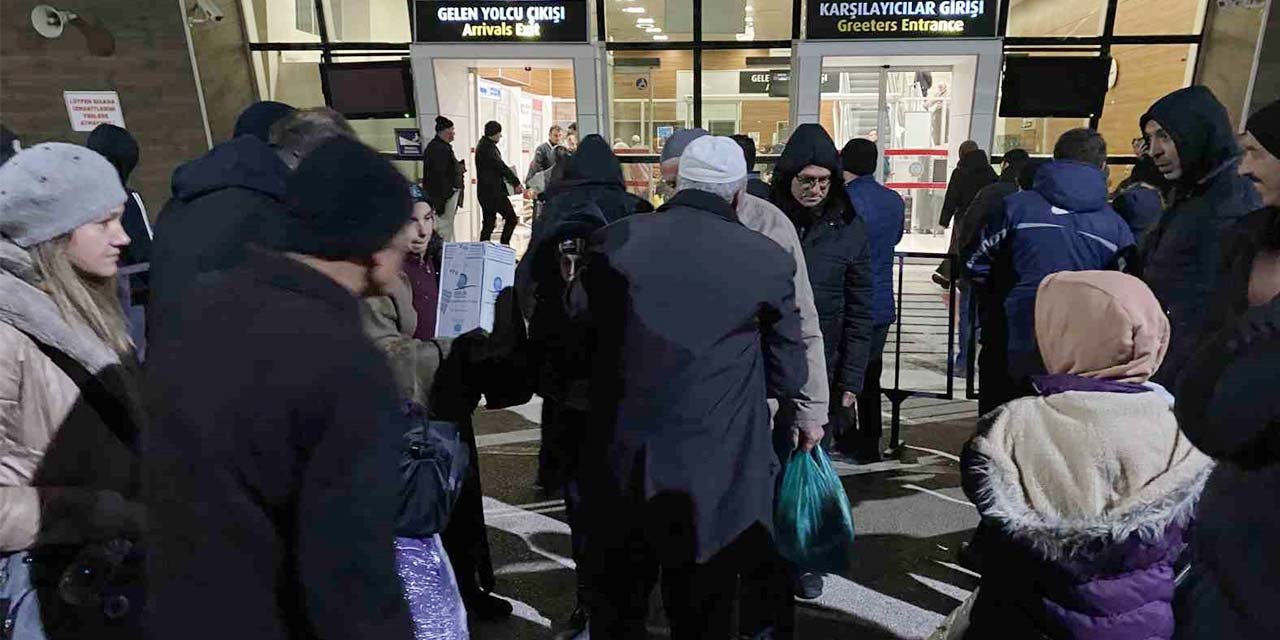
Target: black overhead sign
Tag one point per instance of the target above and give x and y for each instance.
(500, 21)
(868, 19)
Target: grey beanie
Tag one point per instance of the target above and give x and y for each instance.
(675, 145)
(54, 188)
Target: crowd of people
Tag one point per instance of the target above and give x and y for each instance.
(281, 447)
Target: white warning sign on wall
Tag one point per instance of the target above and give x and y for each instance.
(88, 109)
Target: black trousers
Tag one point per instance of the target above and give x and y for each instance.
(698, 597)
(868, 424)
(490, 209)
(465, 537)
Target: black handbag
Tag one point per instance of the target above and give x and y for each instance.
(433, 466)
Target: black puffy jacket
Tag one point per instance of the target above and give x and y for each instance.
(1182, 256)
(838, 254)
(1228, 408)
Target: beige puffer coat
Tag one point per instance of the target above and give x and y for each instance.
(65, 476)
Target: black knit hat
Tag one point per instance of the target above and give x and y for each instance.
(1265, 126)
(859, 157)
(492, 128)
(344, 201)
(443, 123)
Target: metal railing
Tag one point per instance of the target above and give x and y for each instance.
(925, 330)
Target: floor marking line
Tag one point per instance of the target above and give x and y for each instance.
(949, 456)
(937, 494)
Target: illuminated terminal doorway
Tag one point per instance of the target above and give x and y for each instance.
(918, 100)
(525, 88)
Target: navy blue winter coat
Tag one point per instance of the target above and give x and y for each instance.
(883, 212)
(1182, 257)
(1062, 224)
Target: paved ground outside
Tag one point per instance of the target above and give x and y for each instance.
(910, 514)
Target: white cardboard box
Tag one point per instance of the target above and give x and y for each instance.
(472, 274)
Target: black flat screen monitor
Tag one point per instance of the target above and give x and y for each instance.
(362, 90)
(1054, 87)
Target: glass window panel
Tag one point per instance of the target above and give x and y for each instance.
(367, 20)
(1056, 17)
(1035, 135)
(280, 20)
(651, 95)
(1160, 17)
(747, 91)
(649, 20)
(380, 133)
(746, 20)
(1144, 73)
(292, 77)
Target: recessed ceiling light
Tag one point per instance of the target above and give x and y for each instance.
(749, 8)
(633, 9)
(661, 36)
(644, 20)
(653, 30)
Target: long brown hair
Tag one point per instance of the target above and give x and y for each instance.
(87, 301)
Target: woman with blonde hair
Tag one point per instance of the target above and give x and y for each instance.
(69, 408)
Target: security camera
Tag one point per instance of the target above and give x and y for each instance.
(205, 12)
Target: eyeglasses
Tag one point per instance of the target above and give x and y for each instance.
(809, 182)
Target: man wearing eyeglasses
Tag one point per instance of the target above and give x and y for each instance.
(806, 187)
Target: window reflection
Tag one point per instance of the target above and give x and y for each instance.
(648, 20)
(1056, 17)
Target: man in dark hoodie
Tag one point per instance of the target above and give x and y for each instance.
(1063, 223)
(120, 148)
(1193, 146)
(589, 197)
(807, 188)
(1227, 407)
(493, 176)
(219, 201)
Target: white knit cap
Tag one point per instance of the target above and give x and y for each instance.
(713, 160)
(54, 188)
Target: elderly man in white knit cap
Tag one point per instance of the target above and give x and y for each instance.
(698, 327)
(803, 419)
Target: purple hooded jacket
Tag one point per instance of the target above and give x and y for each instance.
(1096, 577)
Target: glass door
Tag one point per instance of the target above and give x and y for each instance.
(906, 111)
(917, 105)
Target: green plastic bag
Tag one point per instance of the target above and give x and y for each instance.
(812, 520)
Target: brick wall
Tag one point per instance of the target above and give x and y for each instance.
(151, 70)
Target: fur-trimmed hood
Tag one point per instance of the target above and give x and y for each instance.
(1073, 473)
(30, 310)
